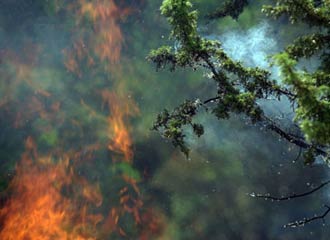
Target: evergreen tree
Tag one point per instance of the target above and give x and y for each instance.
(239, 88)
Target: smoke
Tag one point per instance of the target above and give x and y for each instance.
(56, 76)
(251, 47)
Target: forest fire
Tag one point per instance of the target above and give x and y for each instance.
(121, 144)
(108, 40)
(37, 207)
(118, 133)
(48, 198)
(78, 53)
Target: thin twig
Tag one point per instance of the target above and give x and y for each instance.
(301, 223)
(298, 156)
(271, 125)
(211, 100)
(269, 197)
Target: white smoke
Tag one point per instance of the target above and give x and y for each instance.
(251, 47)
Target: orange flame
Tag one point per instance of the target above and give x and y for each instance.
(105, 44)
(37, 208)
(121, 142)
(48, 200)
(106, 40)
(105, 15)
(76, 56)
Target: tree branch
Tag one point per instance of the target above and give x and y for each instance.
(298, 223)
(211, 100)
(271, 125)
(219, 76)
(301, 223)
(269, 197)
(298, 156)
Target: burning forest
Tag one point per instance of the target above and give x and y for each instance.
(80, 98)
(51, 195)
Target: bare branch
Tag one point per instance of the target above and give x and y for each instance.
(269, 197)
(271, 125)
(211, 100)
(298, 156)
(301, 223)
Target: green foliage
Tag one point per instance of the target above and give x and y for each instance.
(312, 89)
(241, 103)
(307, 46)
(182, 20)
(313, 102)
(49, 138)
(309, 156)
(238, 87)
(231, 8)
(163, 56)
(53, 6)
(301, 10)
(171, 124)
(126, 169)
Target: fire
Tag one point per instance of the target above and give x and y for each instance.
(74, 57)
(105, 45)
(22, 64)
(48, 199)
(105, 16)
(121, 142)
(37, 209)
(106, 41)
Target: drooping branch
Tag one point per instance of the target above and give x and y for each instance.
(298, 155)
(239, 88)
(294, 139)
(298, 141)
(301, 10)
(285, 198)
(270, 124)
(231, 8)
(298, 223)
(301, 223)
(210, 100)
